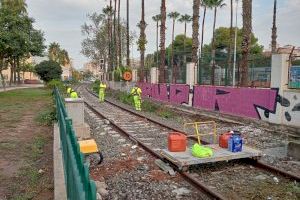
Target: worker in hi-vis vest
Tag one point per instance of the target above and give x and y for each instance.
(69, 90)
(102, 88)
(136, 93)
(73, 94)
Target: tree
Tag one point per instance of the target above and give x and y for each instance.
(174, 16)
(54, 52)
(223, 40)
(19, 40)
(49, 70)
(108, 12)
(57, 54)
(96, 44)
(119, 35)
(142, 41)
(247, 31)
(185, 19)
(214, 4)
(157, 19)
(162, 72)
(127, 36)
(196, 8)
(229, 57)
(274, 28)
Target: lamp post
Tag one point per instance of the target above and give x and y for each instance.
(235, 43)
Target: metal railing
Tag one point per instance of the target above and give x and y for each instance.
(79, 186)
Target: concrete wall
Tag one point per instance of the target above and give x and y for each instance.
(236, 101)
(276, 104)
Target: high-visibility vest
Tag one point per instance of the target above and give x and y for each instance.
(74, 95)
(69, 90)
(102, 86)
(136, 91)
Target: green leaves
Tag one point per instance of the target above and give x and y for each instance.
(49, 70)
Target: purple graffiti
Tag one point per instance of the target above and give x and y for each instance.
(146, 89)
(160, 92)
(236, 101)
(179, 94)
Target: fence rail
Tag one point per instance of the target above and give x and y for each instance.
(79, 186)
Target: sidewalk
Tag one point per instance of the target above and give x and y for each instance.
(21, 86)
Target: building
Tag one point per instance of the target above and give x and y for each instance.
(97, 70)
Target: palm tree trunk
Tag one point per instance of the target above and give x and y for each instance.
(172, 55)
(274, 28)
(201, 48)
(213, 50)
(229, 60)
(115, 59)
(195, 45)
(127, 28)
(143, 40)
(184, 44)
(157, 43)
(247, 30)
(119, 35)
(162, 71)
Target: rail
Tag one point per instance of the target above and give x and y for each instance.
(79, 186)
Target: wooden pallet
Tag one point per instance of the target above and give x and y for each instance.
(186, 159)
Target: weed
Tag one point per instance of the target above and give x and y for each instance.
(46, 117)
(35, 149)
(165, 113)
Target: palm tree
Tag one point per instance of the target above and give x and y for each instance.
(108, 12)
(274, 28)
(229, 58)
(64, 58)
(127, 28)
(195, 45)
(142, 41)
(119, 35)
(174, 16)
(185, 19)
(247, 31)
(18, 6)
(157, 19)
(163, 73)
(54, 51)
(114, 38)
(215, 4)
(204, 3)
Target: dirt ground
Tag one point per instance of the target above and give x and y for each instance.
(26, 164)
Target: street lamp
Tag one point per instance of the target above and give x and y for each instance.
(235, 43)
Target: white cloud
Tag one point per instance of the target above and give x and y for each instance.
(61, 20)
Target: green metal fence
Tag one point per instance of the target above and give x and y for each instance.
(78, 184)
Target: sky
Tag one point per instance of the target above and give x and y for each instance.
(61, 21)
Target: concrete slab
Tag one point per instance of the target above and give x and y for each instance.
(58, 168)
(182, 159)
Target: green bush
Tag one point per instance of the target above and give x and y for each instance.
(48, 70)
(55, 83)
(148, 106)
(96, 85)
(46, 117)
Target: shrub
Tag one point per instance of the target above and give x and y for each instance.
(96, 85)
(49, 70)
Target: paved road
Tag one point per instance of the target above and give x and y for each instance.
(22, 86)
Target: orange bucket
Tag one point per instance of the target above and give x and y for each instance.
(177, 142)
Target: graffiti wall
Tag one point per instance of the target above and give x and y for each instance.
(236, 101)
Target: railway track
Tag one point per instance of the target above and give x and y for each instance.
(151, 135)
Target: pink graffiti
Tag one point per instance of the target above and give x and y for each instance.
(179, 94)
(236, 101)
(146, 89)
(160, 92)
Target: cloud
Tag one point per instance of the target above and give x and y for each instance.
(61, 21)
